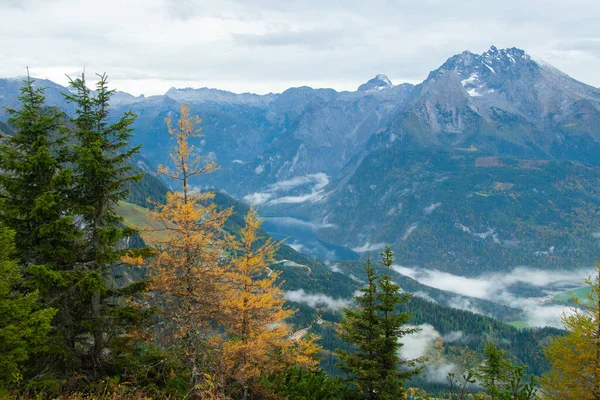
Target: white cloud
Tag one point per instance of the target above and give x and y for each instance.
(409, 231)
(421, 344)
(463, 303)
(424, 295)
(258, 198)
(313, 197)
(299, 247)
(320, 180)
(431, 208)
(315, 300)
(417, 344)
(297, 223)
(314, 192)
(438, 373)
(334, 268)
(490, 285)
(495, 287)
(453, 336)
(367, 247)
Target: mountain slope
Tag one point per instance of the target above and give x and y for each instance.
(468, 214)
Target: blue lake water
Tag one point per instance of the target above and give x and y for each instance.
(302, 235)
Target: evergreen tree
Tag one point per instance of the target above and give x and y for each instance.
(35, 204)
(374, 329)
(23, 326)
(501, 379)
(575, 358)
(361, 327)
(393, 328)
(35, 185)
(102, 171)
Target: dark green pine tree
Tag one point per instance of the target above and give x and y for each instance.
(102, 165)
(501, 378)
(35, 187)
(23, 326)
(361, 327)
(374, 328)
(393, 370)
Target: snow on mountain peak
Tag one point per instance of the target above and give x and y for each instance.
(380, 82)
(491, 62)
(383, 78)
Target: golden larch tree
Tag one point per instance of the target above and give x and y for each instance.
(187, 272)
(575, 357)
(258, 340)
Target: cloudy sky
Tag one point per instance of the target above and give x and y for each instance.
(148, 46)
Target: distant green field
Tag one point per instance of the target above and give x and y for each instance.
(139, 217)
(580, 293)
(519, 324)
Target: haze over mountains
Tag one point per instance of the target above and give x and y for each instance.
(492, 162)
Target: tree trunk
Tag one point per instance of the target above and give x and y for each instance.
(98, 335)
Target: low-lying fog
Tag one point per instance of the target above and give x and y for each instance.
(504, 288)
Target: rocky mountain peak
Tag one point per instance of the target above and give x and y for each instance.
(380, 81)
(493, 61)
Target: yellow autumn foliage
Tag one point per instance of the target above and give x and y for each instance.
(258, 339)
(219, 305)
(575, 357)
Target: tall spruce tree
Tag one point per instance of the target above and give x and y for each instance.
(374, 329)
(102, 171)
(393, 327)
(35, 189)
(361, 328)
(35, 185)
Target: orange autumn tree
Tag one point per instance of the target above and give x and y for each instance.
(258, 342)
(187, 272)
(575, 357)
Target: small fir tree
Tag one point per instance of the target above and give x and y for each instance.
(501, 378)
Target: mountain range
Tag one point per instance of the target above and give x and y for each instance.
(491, 162)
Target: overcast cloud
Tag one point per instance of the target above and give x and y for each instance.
(148, 46)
